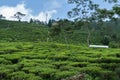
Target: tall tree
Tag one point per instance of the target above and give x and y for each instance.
(82, 11)
(86, 11)
(116, 10)
(31, 20)
(2, 17)
(19, 15)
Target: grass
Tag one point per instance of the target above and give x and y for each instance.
(54, 61)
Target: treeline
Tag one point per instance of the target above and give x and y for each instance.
(106, 32)
(62, 31)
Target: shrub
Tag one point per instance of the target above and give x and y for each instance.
(79, 58)
(79, 64)
(63, 74)
(4, 72)
(114, 45)
(110, 66)
(108, 75)
(4, 61)
(92, 71)
(108, 60)
(20, 46)
(106, 40)
(117, 54)
(88, 77)
(23, 76)
(66, 68)
(58, 57)
(117, 70)
(10, 51)
(47, 73)
(58, 64)
(80, 76)
(53, 46)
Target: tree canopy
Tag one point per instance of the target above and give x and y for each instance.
(88, 8)
(19, 15)
(2, 17)
(88, 11)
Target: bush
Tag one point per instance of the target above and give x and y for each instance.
(58, 57)
(47, 73)
(106, 40)
(117, 54)
(53, 45)
(110, 66)
(19, 46)
(88, 77)
(57, 65)
(63, 74)
(4, 72)
(79, 64)
(117, 70)
(114, 45)
(108, 60)
(4, 61)
(108, 75)
(23, 76)
(92, 71)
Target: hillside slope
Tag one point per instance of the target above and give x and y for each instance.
(21, 31)
(13, 31)
(27, 54)
(53, 61)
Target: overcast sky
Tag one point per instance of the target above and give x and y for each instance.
(37, 9)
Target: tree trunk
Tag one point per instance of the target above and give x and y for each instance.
(88, 37)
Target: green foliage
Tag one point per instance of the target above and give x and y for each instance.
(106, 40)
(55, 31)
(11, 31)
(113, 44)
(21, 76)
(79, 64)
(24, 54)
(63, 74)
(19, 31)
(52, 61)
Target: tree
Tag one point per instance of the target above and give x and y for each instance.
(116, 10)
(106, 40)
(87, 11)
(19, 15)
(61, 26)
(50, 22)
(82, 10)
(2, 17)
(31, 20)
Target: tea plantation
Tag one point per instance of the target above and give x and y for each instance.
(30, 51)
(54, 61)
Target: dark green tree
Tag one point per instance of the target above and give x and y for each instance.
(87, 11)
(19, 16)
(50, 22)
(106, 40)
(116, 10)
(2, 17)
(31, 20)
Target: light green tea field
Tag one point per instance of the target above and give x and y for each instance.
(54, 61)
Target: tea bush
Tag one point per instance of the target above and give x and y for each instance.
(53, 61)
